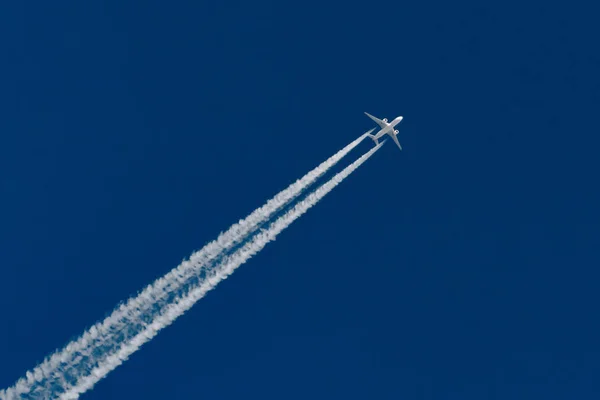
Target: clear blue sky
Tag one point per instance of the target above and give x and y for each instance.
(465, 267)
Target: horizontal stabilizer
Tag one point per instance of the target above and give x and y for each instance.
(367, 133)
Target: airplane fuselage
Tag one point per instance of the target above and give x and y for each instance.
(388, 129)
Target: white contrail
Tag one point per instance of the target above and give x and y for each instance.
(127, 319)
(190, 295)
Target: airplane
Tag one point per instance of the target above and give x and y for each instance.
(387, 128)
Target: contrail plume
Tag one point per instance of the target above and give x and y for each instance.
(130, 317)
(190, 295)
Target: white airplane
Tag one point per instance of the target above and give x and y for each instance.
(387, 128)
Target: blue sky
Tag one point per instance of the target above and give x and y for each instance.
(464, 267)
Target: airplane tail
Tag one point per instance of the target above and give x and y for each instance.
(374, 139)
(368, 133)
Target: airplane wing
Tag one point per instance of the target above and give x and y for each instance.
(396, 140)
(377, 120)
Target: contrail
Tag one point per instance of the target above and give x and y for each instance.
(128, 318)
(190, 295)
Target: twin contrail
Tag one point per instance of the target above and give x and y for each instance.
(103, 347)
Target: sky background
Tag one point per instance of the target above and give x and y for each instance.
(465, 267)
